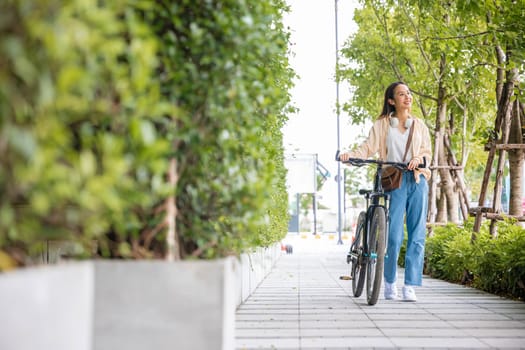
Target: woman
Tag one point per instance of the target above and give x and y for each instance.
(388, 137)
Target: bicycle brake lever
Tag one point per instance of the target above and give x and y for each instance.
(337, 156)
(424, 165)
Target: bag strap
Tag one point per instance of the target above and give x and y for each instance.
(409, 141)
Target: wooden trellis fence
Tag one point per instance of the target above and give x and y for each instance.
(500, 146)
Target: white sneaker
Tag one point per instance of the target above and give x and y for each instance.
(390, 291)
(409, 294)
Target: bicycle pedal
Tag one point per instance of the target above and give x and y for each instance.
(346, 278)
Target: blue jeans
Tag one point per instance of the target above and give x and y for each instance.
(410, 199)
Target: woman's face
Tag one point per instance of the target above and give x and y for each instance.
(402, 98)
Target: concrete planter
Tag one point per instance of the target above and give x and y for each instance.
(47, 308)
(120, 305)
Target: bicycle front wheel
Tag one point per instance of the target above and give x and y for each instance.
(358, 271)
(377, 250)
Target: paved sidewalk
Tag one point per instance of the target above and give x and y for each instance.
(302, 304)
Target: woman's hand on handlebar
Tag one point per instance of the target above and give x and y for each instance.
(417, 163)
(343, 157)
(414, 163)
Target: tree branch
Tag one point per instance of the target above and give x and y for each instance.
(459, 36)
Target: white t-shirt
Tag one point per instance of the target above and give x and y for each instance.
(396, 143)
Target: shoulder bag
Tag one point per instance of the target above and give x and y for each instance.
(392, 177)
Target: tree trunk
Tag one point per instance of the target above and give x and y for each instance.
(432, 196)
(173, 252)
(442, 208)
(504, 116)
(447, 183)
(457, 176)
(448, 190)
(516, 162)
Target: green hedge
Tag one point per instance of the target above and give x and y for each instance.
(496, 265)
(97, 97)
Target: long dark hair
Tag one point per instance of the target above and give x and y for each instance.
(389, 94)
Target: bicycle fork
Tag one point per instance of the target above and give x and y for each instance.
(367, 254)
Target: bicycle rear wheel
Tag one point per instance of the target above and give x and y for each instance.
(376, 247)
(358, 271)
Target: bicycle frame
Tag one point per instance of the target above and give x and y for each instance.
(373, 200)
(375, 197)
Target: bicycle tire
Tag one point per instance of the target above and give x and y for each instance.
(358, 271)
(377, 250)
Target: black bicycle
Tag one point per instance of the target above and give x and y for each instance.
(368, 248)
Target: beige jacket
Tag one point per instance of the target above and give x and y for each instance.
(376, 143)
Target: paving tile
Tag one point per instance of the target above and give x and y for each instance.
(475, 317)
(441, 342)
(501, 343)
(267, 316)
(395, 311)
(265, 343)
(259, 306)
(277, 302)
(496, 332)
(488, 324)
(315, 309)
(277, 311)
(424, 332)
(350, 342)
(404, 317)
(267, 333)
(265, 324)
(359, 323)
(414, 324)
(340, 332)
(461, 310)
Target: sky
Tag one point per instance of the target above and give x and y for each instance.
(314, 128)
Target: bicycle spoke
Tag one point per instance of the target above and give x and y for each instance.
(358, 271)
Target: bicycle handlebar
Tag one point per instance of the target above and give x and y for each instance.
(361, 162)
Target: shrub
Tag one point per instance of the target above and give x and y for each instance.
(435, 250)
(97, 98)
(81, 158)
(500, 264)
(225, 66)
(496, 265)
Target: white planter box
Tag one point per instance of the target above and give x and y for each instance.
(120, 305)
(254, 267)
(47, 308)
